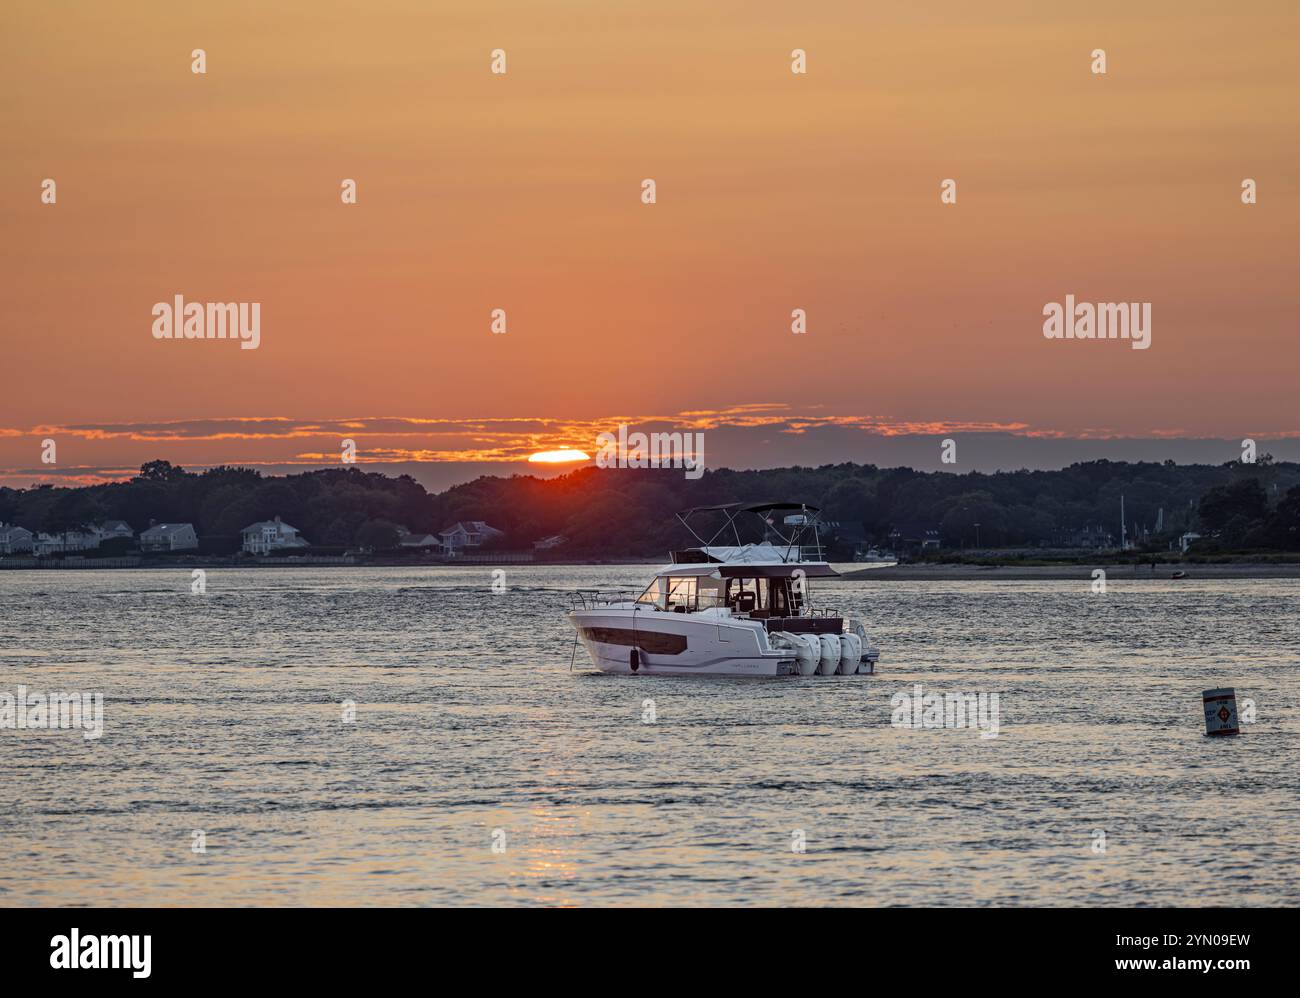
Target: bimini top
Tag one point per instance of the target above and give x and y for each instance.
(746, 561)
(751, 507)
(782, 544)
(750, 570)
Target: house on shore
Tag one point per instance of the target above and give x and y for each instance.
(64, 542)
(466, 534)
(419, 539)
(169, 537)
(549, 543)
(1096, 538)
(15, 539)
(111, 530)
(271, 535)
(913, 536)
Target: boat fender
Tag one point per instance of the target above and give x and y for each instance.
(634, 659)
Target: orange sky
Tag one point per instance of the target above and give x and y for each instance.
(521, 192)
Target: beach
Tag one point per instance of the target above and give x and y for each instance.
(1129, 572)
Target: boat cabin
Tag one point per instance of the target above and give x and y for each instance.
(776, 594)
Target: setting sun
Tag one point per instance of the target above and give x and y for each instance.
(557, 456)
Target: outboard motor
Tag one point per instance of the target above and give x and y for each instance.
(814, 652)
(805, 656)
(850, 654)
(868, 654)
(830, 660)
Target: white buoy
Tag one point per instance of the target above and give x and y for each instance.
(1220, 711)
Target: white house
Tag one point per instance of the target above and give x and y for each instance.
(1187, 540)
(467, 534)
(15, 539)
(109, 530)
(69, 540)
(169, 537)
(418, 539)
(271, 535)
(112, 529)
(547, 543)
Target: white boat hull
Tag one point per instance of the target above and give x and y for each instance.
(627, 639)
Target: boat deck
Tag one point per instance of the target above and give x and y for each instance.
(805, 625)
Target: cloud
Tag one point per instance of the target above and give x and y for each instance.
(442, 451)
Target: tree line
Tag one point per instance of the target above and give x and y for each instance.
(621, 513)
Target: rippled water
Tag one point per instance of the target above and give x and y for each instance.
(222, 714)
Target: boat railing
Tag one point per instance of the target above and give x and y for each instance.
(590, 599)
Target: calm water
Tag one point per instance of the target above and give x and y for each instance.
(222, 715)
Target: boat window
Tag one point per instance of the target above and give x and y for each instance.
(779, 597)
(681, 593)
(654, 593)
(743, 591)
(708, 593)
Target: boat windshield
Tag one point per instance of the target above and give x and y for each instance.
(755, 597)
(680, 594)
(670, 593)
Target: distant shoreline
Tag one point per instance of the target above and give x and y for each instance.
(891, 573)
(137, 562)
(1114, 572)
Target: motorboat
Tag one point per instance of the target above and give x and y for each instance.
(730, 609)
